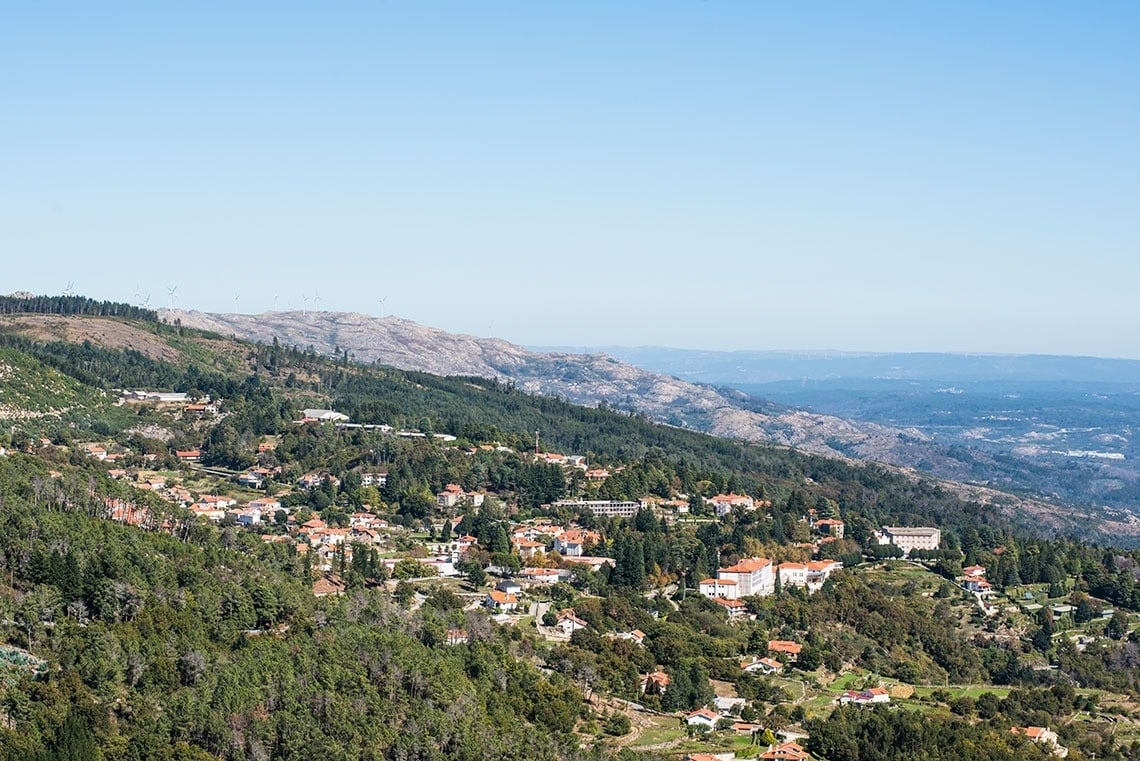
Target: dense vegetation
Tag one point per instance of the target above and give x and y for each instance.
(204, 642)
(73, 305)
(214, 647)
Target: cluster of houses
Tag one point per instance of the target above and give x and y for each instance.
(758, 577)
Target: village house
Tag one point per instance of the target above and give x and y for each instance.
(551, 458)
(453, 495)
(500, 602)
(723, 589)
(872, 696)
(792, 574)
(572, 543)
(456, 637)
(789, 751)
(198, 410)
(810, 575)
(265, 505)
(829, 527)
(364, 535)
(727, 706)
(361, 519)
(734, 608)
(762, 666)
(655, 683)
(978, 585)
(154, 483)
(543, 576)
(188, 455)
(1044, 736)
(510, 586)
(214, 500)
(253, 479)
(790, 649)
(463, 543)
(527, 548)
(328, 586)
(636, 636)
(703, 718)
(724, 503)
(374, 479)
(316, 480)
(209, 512)
(245, 516)
(96, 451)
(568, 622)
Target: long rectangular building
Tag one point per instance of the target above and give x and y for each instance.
(602, 506)
(914, 538)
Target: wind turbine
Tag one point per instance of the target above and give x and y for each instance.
(170, 292)
(70, 289)
(304, 304)
(138, 295)
(146, 302)
(275, 297)
(316, 298)
(236, 297)
(381, 303)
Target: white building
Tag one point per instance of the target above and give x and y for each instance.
(602, 506)
(324, 416)
(724, 503)
(810, 575)
(916, 538)
(752, 576)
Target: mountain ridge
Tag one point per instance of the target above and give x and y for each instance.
(590, 379)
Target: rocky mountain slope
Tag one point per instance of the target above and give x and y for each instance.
(589, 379)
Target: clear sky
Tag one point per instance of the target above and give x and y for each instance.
(858, 176)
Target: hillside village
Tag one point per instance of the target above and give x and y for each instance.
(701, 611)
(516, 587)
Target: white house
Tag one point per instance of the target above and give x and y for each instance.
(702, 718)
(568, 623)
(500, 601)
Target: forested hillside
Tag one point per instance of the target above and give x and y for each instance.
(140, 622)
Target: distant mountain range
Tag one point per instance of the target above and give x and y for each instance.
(589, 379)
(891, 420)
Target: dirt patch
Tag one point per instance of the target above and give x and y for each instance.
(101, 331)
(723, 689)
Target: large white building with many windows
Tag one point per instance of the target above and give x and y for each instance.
(916, 538)
(752, 576)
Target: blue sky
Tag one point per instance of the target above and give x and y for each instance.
(856, 176)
